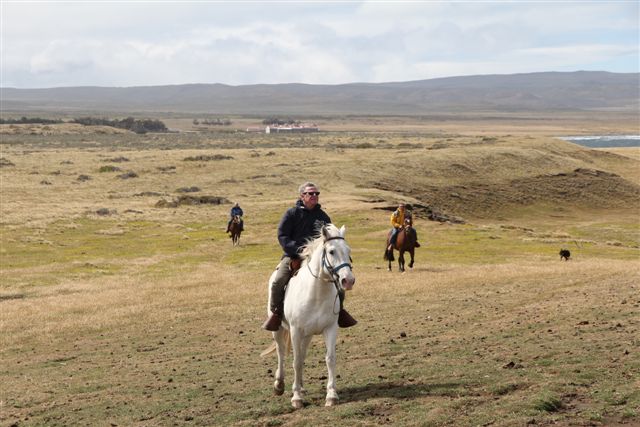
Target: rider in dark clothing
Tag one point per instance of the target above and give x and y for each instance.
(235, 210)
(297, 226)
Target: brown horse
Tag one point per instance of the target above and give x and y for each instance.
(405, 242)
(236, 229)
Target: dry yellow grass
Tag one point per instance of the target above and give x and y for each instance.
(632, 152)
(487, 123)
(148, 316)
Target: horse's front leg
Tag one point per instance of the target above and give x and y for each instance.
(401, 261)
(300, 345)
(281, 344)
(411, 262)
(330, 336)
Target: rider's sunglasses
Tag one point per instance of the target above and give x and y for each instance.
(313, 193)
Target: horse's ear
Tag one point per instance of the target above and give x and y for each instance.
(325, 232)
(343, 230)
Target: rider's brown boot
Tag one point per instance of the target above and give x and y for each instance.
(272, 323)
(345, 320)
(417, 245)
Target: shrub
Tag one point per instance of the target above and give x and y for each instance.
(27, 120)
(138, 126)
(549, 404)
(187, 190)
(205, 158)
(128, 175)
(5, 162)
(109, 168)
(117, 159)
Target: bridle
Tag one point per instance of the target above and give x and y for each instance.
(333, 271)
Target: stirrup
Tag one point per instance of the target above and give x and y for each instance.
(345, 320)
(272, 323)
(417, 245)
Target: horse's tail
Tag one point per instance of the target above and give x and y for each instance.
(267, 351)
(388, 255)
(272, 348)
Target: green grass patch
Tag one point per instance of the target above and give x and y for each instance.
(109, 168)
(94, 239)
(548, 403)
(88, 248)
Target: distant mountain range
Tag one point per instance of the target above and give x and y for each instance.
(548, 91)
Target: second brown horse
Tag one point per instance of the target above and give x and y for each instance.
(405, 242)
(236, 229)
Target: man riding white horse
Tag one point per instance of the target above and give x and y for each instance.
(312, 307)
(297, 226)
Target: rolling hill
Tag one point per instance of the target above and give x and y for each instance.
(555, 91)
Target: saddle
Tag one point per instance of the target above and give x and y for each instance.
(295, 265)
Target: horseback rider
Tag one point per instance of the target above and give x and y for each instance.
(298, 225)
(235, 210)
(397, 222)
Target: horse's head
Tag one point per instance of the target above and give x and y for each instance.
(237, 219)
(408, 222)
(337, 256)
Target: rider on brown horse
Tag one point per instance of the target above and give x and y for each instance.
(235, 210)
(397, 221)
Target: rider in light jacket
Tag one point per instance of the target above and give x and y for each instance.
(397, 222)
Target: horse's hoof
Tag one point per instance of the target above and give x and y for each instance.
(297, 404)
(333, 401)
(278, 389)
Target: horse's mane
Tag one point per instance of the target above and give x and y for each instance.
(317, 240)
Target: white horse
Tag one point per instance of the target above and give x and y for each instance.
(311, 307)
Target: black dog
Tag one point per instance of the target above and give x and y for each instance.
(565, 254)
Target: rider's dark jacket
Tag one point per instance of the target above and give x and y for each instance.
(236, 210)
(298, 225)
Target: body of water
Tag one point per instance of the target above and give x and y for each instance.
(604, 141)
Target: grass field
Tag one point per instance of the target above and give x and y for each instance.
(117, 312)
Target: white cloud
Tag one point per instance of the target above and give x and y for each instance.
(62, 56)
(142, 43)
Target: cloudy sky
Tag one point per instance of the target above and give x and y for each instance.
(133, 43)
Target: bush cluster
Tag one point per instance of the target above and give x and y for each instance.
(277, 121)
(216, 122)
(138, 126)
(29, 120)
